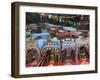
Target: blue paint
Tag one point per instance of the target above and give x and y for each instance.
(40, 34)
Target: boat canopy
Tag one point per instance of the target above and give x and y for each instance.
(40, 34)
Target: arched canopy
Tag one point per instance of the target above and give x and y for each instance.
(40, 34)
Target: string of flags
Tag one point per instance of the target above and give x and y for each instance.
(61, 19)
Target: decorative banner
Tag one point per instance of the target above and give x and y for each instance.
(57, 19)
(53, 18)
(82, 16)
(46, 14)
(42, 14)
(49, 16)
(60, 19)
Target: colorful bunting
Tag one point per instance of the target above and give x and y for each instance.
(62, 19)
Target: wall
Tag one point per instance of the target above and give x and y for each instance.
(5, 40)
